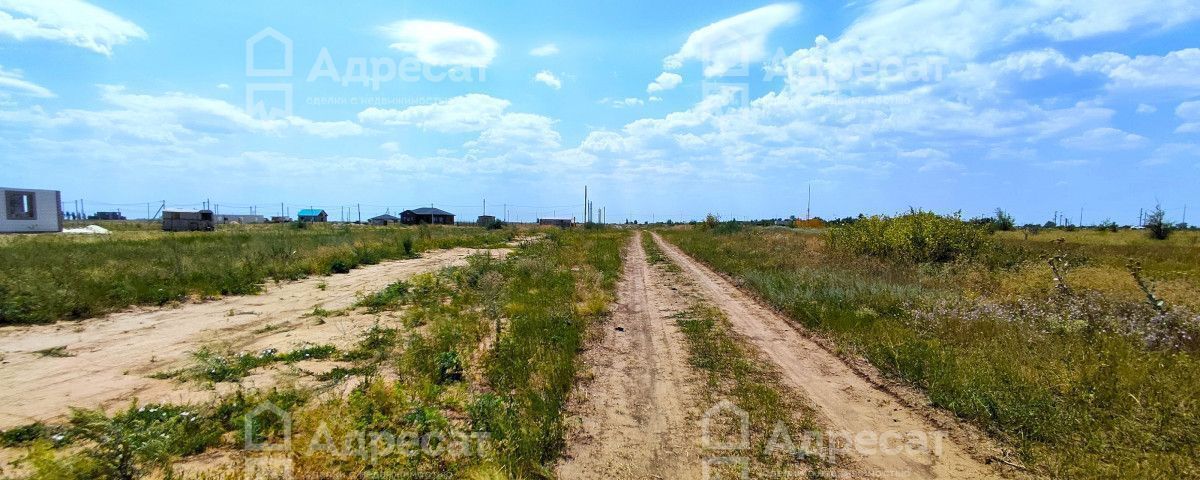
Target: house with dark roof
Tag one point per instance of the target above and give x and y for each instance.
(313, 215)
(431, 215)
(384, 219)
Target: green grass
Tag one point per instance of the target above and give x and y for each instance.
(531, 310)
(215, 366)
(44, 278)
(1065, 381)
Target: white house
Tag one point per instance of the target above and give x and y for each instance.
(31, 211)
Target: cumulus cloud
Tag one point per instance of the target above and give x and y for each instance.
(734, 42)
(72, 22)
(14, 81)
(1145, 109)
(544, 50)
(665, 81)
(442, 43)
(467, 113)
(548, 78)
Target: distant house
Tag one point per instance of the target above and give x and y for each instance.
(384, 220)
(431, 215)
(178, 220)
(281, 219)
(31, 211)
(485, 220)
(313, 215)
(107, 216)
(556, 222)
(242, 219)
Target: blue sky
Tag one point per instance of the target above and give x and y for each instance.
(668, 110)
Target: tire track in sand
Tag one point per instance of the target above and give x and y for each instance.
(846, 401)
(637, 414)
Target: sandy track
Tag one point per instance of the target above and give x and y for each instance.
(113, 356)
(846, 401)
(637, 415)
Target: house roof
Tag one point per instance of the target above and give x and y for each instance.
(310, 212)
(430, 211)
(384, 217)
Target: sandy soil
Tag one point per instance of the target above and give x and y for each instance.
(846, 401)
(111, 358)
(637, 416)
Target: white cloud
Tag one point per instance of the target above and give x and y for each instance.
(442, 43)
(1169, 152)
(517, 131)
(467, 113)
(391, 147)
(734, 42)
(547, 78)
(168, 120)
(934, 165)
(1176, 70)
(13, 80)
(1104, 138)
(1190, 113)
(623, 102)
(72, 22)
(544, 50)
(223, 86)
(665, 81)
(1145, 109)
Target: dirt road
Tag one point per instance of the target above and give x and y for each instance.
(849, 404)
(637, 415)
(108, 360)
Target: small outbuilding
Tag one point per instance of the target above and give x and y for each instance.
(179, 220)
(225, 218)
(384, 220)
(31, 211)
(281, 219)
(557, 222)
(313, 216)
(435, 216)
(485, 220)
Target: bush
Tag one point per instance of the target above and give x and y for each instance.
(1004, 222)
(1156, 224)
(918, 237)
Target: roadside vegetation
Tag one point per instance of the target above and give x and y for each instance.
(45, 278)
(466, 374)
(1078, 348)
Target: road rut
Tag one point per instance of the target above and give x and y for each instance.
(847, 403)
(637, 415)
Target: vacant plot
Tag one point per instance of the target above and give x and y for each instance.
(44, 278)
(463, 371)
(1053, 346)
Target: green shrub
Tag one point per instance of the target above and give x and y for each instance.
(917, 237)
(1157, 226)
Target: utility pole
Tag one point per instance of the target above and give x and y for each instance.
(808, 209)
(485, 206)
(585, 204)
(1080, 216)
(359, 206)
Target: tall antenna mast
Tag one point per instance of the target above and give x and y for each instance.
(808, 209)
